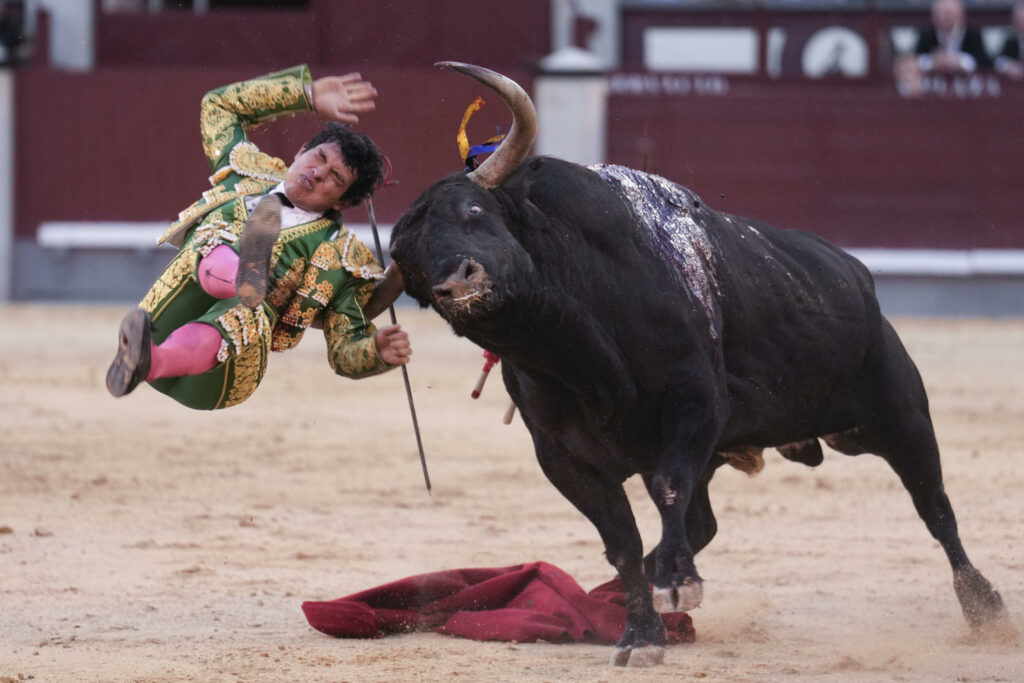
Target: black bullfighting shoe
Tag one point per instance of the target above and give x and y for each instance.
(258, 238)
(131, 362)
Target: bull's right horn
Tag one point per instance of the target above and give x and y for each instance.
(513, 149)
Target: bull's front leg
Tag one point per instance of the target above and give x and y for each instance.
(603, 501)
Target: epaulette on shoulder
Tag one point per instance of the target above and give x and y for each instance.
(356, 257)
(246, 159)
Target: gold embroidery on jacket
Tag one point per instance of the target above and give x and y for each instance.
(212, 199)
(310, 278)
(249, 368)
(243, 326)
(215, 125)
(248, 335)
(171, 281)
(351, 358)
(364, 292)
(287, 284)
(326, 257)
(212, 234)
(221, 173)
(322, 293)
(357, 259)
(283, 340)
(299, 231)
(220, 111)
(246, 159)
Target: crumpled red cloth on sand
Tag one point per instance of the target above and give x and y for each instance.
(523, 603)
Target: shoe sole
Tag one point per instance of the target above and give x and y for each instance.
(131, 362)
(258, 239)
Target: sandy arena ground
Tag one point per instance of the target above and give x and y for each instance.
(141, 541)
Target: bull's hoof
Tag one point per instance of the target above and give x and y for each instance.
(679, 598)
(981, 604)
(638, 657)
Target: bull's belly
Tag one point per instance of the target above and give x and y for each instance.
(777, 419)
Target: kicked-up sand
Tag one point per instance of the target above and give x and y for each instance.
(142, 541)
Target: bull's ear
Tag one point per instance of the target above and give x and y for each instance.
(516, 146)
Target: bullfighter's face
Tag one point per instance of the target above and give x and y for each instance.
(318, 178)
(455, 251)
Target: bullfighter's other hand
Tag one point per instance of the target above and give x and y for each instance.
(393, 345)
(343, 98)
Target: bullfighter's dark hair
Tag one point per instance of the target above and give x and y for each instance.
(361, 156)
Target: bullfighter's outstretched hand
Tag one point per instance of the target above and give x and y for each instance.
(393, 345)
(343, 98)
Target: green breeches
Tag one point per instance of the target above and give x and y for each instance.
(177, 298)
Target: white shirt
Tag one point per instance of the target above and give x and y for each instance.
(290, 215)
(950, 42)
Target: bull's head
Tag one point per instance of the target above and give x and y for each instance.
(454, 248)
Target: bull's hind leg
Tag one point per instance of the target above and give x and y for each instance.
(679, 491)
(603, 501)
(910, 448)
(701, 525)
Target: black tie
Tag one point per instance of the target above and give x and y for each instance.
(284, 200)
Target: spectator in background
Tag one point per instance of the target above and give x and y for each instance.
(949, 45)
(12, 29)
(1009, 61)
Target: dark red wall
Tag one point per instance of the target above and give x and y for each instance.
(354, 34)
(858, 165)
(123, 144)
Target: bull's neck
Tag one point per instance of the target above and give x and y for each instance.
(553, 338)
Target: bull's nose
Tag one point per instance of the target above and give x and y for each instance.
(459, 279)
(466, 291)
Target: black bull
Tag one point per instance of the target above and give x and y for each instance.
(642, 332)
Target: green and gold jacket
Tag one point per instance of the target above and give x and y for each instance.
(321, 271)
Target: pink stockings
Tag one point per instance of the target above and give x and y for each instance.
(218, 272)
(192, 348)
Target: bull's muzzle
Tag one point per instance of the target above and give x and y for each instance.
(465, 291)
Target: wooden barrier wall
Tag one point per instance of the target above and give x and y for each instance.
(858, 164)
(352, 34)
(124, 144)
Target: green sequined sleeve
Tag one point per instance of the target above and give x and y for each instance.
(351, 338)
(227, 112)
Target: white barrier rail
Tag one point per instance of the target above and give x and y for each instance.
(921, 262)
(143, 236)
(942, 262)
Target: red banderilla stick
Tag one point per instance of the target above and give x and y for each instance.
(490, 360)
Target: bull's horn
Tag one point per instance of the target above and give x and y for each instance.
(513, 149)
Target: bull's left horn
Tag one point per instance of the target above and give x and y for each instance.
(516, 145)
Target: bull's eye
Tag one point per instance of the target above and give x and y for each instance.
(475, 209)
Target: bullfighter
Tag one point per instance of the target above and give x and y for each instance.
(263, 254)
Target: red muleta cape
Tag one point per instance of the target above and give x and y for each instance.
(522, 603)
